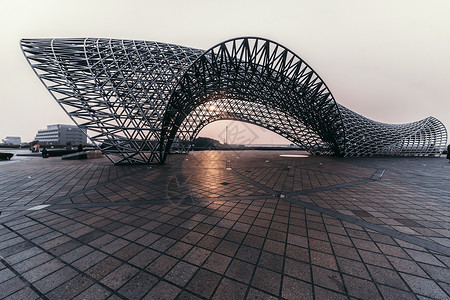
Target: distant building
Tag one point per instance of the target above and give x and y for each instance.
(12, 140)
(60, 134)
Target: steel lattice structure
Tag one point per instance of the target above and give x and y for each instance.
(141, 100)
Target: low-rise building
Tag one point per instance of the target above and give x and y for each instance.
(12, 140)
(60, 134)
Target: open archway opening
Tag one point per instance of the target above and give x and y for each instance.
(234, 132)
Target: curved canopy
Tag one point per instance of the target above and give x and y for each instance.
(140, 99)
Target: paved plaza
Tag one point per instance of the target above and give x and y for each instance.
(226, 225)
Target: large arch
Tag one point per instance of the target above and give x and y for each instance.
(257, 79)
(139, 98)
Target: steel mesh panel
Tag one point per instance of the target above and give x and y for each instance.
(366, 137)
(117, 89)
(139, 100)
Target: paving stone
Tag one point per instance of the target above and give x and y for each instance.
(128, 251)
(77, 253)
(94, 292)
(161, 265)
(11, 286)
(321, 293)
(407, 266)
(374, 259)
(25, 293)
(256, 294)
(186, 295)
(227, 248)
(271, 261)
(203, 228)
(297, 253)
(354, 268)
(437, 273)
(253, 241)
(15, 245)
(43, 270)
(365, 245)
(144, 258)
(89, 260)
(445, 286)
(328, 279)
(393, 250)
(361, 288)
(179, 249)
(115, 246)
(61, 239)
(320, 246)
(138, 286)
(6, 274)
(341, 242)
(336, 232)
(163, 291)
(162, 244)
(323, 260)
(393, 293)
(423, 286)
(102, 240)
(55, 279)
(230, 289)
(267, 280)
(65, 248)
(204, 283)
(424, 257)
(240, 270)
(277, 235)
(249, 254)
(293, 289)
(71, 288)
(217, 262)
(103, 268)
(197, 256)
(119, 276)
(297, 269)
(192, 237)
(387, 277)
(298, 240)
(274, 247)
(209, 242)
(181, 273)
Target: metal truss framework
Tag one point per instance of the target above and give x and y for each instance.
(140, 100)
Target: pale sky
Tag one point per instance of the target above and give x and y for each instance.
(387, 60)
